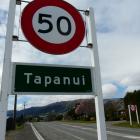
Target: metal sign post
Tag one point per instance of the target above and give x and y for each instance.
(5, 86)
(133, 108)
(130, 115)
(137, 115)
(101, 127)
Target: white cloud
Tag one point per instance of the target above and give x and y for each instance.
(126, 81)
(2, 30)
(42, 100)
(132, 82)
(109, 90)
(132, 88)
(11, 103)
(0, 75)
(82, 4)
(20, 106)
(119, 55)
(23, 52)
(120, 15)
(4, 4)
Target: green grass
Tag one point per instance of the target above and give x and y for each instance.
(18, 127)
(78, 121)
(127, 124)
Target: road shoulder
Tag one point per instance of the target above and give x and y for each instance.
(24, 134)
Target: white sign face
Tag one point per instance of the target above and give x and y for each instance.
(53, 24)
(133, 107)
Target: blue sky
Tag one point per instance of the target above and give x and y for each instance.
(118, 36)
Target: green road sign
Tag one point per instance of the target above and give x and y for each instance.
(31, 78)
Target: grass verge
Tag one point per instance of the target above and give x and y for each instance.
(18, 127)
(78, 121)
(127, 124)
(11, 134)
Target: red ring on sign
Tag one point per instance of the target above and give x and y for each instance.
(39, 43)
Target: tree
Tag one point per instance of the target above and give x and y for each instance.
(51, 116)
(110, 112)
(59, 117)
(20, 120)
(132, 98)
(71, 113)
(85, 108)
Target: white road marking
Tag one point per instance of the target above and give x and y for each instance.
(65, 132)
(108, 132)
(123, 135)
(81, 127)
(113, 128)
(37, 134)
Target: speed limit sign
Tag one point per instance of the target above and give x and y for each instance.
(52, 26)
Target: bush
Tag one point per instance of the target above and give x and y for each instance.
(59, 117)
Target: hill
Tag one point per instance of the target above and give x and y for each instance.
(64, 106)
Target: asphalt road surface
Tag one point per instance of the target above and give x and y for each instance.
(68, 131)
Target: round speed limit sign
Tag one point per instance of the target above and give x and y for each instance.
(52, 26)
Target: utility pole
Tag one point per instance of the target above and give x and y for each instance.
(24, 107)
(15, 110)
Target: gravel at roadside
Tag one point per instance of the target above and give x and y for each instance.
(23, 134)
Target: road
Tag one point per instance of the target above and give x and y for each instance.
(68, 131)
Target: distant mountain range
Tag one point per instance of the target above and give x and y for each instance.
(64, 106)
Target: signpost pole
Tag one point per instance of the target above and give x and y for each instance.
(6, 69)
(130, 115)
(100, 118)
(137, 115)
